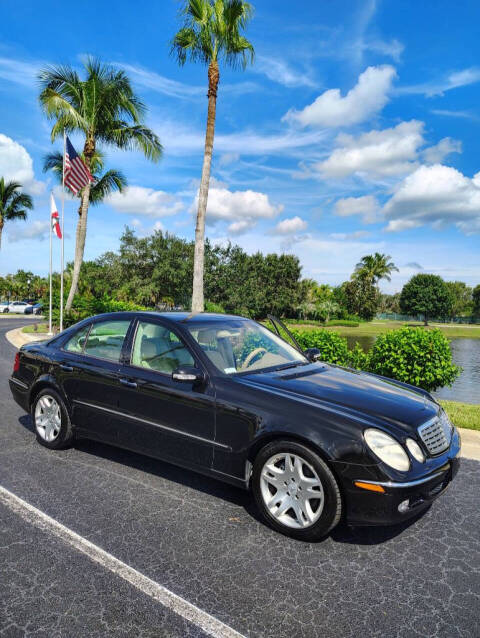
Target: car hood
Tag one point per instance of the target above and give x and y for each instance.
(351, 392)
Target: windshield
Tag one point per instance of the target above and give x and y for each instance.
(244, 346)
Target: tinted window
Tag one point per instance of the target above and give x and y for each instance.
(106, 339)
(159, 349)
(76, 343)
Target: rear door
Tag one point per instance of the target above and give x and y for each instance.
(88, 368)
(162, 417)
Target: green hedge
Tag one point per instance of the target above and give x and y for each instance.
(412, 355)
(88, 305)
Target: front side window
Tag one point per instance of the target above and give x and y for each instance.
(105, 340)
(244, 346)
(158, 348)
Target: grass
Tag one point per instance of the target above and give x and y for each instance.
(40, 328)
(463, 415)
(381, 326)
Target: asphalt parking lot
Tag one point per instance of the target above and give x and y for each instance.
(201, 540)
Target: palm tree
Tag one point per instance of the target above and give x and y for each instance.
(211, 32)
(104, 108)
(375, 267)
(13, 203)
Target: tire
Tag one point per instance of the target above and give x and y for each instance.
(56, 432)
(283, 473)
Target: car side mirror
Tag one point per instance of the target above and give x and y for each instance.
(312, 354)
(188, 374)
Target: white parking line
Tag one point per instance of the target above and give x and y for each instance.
(209, 624)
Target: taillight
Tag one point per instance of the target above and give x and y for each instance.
(16, 363)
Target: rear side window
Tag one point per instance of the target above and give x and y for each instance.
(105, 340)
(77, 342)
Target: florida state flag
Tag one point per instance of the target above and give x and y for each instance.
(54, 217)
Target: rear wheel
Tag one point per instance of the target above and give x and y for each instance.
(295, 491)
(51, 420)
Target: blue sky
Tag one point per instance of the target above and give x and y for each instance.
(356, 130)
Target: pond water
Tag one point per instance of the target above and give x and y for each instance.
(466, 354)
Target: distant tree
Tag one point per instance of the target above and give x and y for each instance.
(362, 297)
(375, 267)
(476, 300)
(461, 297)
(426, 295)
(390, 303)
(211, 33)
(13, 203)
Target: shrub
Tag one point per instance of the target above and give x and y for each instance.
(333, 348)
(414, 355)
(87, 305)
(210, 306)
(342, 322)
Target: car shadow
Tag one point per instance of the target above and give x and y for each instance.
(343, 533)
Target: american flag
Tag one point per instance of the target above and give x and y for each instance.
(77, 174)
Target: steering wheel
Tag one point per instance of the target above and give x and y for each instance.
(252, 356)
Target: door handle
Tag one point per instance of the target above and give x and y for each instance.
(66, 368)
(129, 384)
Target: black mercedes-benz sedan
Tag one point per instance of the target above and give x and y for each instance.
(228, 397)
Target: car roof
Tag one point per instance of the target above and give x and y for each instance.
(178, 317)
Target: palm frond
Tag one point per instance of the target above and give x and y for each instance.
(110, 182)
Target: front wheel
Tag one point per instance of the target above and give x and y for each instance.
(295, 491)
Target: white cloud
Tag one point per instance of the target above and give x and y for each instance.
(290, 226)
(27, 230)
(148, 202)
(241, 208)
(179, 139)
(17, 165)
(366, 206)
(439, 87)
(437, 195)
(172, 88)
(446, 146)
(357, 234)
(278, 70)
(228, 158)
(466, 115)
(19, 72)
(390, 152)
(367, 97)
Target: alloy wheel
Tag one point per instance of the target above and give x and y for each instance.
(48, 418)
(292, 490)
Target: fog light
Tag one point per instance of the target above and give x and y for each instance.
(404, 506)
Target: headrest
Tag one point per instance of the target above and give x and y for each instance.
(206, 335)
(150, 348)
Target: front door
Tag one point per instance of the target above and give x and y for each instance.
(165, 418)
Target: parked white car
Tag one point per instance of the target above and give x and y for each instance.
(4, 306)
(20, 307)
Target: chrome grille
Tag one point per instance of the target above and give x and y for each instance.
(436, 434)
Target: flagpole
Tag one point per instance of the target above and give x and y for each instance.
(63, 231)
(50, 282)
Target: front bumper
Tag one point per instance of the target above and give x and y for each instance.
(364, 507)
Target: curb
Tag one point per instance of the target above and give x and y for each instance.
(18, 338)
(470, 438)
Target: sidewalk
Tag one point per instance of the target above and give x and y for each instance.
(470, 438)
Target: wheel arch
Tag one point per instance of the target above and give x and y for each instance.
(263, 441)
(43, 383)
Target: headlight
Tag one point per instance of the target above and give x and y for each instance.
(415, 450)
(387, 449)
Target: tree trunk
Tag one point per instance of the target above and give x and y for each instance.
(80, 237)
(81, 233)
(425, 320)
(1, 229)
(199, 255)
